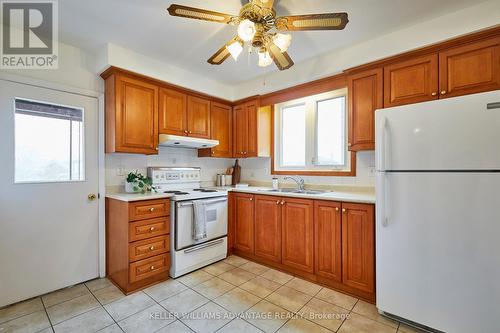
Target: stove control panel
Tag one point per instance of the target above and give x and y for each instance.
(174, 175)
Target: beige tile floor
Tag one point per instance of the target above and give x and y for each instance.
(207, 300)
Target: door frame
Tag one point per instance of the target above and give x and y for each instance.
(99, 96)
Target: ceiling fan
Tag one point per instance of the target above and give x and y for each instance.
(259, 26)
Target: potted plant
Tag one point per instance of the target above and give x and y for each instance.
(137, 182)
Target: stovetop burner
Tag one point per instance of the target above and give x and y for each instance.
(176, 192)
(204, 190)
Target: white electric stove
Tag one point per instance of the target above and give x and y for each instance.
(187, 254)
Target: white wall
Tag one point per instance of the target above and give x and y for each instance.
(483, 15)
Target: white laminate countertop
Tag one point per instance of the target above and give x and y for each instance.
(346, 196)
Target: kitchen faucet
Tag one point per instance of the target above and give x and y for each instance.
(300, 182)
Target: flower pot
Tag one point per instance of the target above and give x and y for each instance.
(129, 187)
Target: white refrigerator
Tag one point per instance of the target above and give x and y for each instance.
(438, 213)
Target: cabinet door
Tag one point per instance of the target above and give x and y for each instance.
(222, 130)
(470, 69)
(198, 116)
(298, 234)
(173, 112)
(240, 131)
(136, 116)
(358, 246)
(328, 239)
(268, 227)
(365, 96)
(244, 222)
(252, 149)
(411, 81)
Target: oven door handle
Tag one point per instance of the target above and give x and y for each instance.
(204, 246)
(190, 203)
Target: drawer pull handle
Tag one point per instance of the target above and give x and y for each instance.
(343, 210)
(152, 229)
(151, 209)
(152, 248)
(282, 202)
(152, 268)
(278, 202)
(336, 209)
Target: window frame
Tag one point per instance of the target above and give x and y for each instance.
(311, 168)
(83, 145)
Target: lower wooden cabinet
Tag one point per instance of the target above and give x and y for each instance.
(268, 227)
(358, 247)
(137, 243)
(328, 239)
(298, 234)
(244, 223)
(328, 242)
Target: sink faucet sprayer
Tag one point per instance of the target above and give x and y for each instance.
(300, 182)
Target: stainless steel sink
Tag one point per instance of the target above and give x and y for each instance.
(292, 190)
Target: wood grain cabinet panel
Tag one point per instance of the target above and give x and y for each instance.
(365, 96)
(411, 81)
(240, 125)
(268, 227)
(148, 248)
(252, 130)
(298, 234)
(141, 210)
(198, 117)
(358, 246)
(244, 222)
(221, 127)
(147, 268)
(173, 112)
(328, 239)
(470, 69)
(131, 115)
(252, 149)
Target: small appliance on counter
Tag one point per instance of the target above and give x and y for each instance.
(188, 205)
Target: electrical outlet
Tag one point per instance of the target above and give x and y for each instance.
(120, 171)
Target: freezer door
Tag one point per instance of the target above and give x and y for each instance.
(452, 134)
(438, 245)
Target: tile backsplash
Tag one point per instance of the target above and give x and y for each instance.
(253, 169)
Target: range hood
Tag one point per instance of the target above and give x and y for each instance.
(167, 140)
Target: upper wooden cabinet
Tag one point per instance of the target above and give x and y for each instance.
(131, 115)
(221, 124)
(173, 112)
(365, 96)
(470, 68)
(298, 234)
(328, 239)
(198, 117)
(252, 130)
(358, 247)
(411, 81)
(268, 227)
(244, 222)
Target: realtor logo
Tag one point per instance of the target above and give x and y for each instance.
(29, 34)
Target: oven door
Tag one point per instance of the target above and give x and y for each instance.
(184, 217)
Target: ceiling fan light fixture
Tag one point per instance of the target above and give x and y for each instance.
(265, 58)
(246, 30)
(235, 49)
(282, 41)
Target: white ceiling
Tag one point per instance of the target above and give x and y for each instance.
(144, 26)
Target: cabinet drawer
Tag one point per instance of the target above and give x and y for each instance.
(148, 228)
(148, 248)
(146, 268)
(148, 209)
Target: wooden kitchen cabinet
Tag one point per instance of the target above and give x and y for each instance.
(365, 96)
(244, 222)
(298, 234)
(252, 130)
(358, 247)
(137, 243)
(268, 227)
(173, 112)
(198, 117)
(470, 68)
(328, 239)
(221, 124)
(131, 115)
(411, 81)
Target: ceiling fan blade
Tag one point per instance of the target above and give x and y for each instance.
(201, 14)
(264, 3)
(222, 54)
(330, 21)
(281, 59)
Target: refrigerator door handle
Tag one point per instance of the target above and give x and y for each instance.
(386, 208)
(383, 145)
